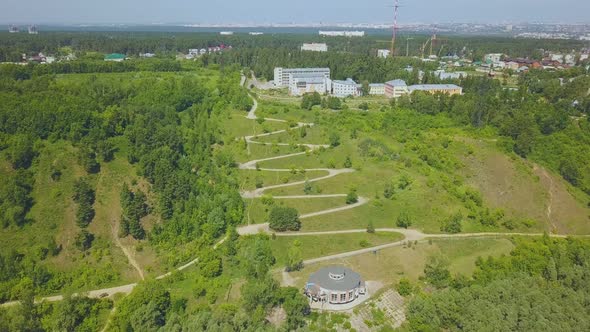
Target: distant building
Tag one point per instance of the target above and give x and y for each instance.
(342, 33)
(13, 29)
(302, 83)
(443, 75)
(511, 65)
(383, 53)
(493, 57)
(226, 33)
(334, 284)
(395, 89)
(256, 33)
(450, 89)
(281, 75)
(377, 89)
(315, 47)
(345, 88)
(146, 55)
(398, 88)
(33, 30)
(117, 57)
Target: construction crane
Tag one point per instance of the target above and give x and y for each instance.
(432, 42)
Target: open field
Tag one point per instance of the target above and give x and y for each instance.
(389, 265)
(257, 212)
(322, 245)
(248, 178)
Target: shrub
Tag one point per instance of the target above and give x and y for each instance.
(452, 224)
(352, 197)
(404, 287)
(284, 219)
(404, 220)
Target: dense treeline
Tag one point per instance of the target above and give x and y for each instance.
(60, 43)
(169, 122)
(541, 286)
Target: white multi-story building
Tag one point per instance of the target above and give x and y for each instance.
(315, 47)
(377, 89)
(342, 33)
(226, 33)
(281, 75)
(383, 53)
(395, 88)
(345, 88)
(302, 83)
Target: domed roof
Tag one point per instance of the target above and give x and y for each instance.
(338, 278)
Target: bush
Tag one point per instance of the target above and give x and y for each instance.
(404, 287)
(84, 240)
(404, 220)
(370, 228)
(352, 197)
(283, 219)
(452, 224)
(334, 139)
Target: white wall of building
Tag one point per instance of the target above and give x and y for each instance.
(315, 47)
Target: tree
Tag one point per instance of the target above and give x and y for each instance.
(352, 197)
(364, 106)
(21, 151)
(144, 309)
(210, 264)
(259, 292)
(84, 240)
(309, 100)
(307, 187)
(333, 103)
(404, 220)
(569, 170)
(294, 257)
(84, 196)
(365, 88)
(452, 224)
(296, 306)
(370, 228)
(283, 219)
(436, 271)
(334, 139)
(404, 182)
(404, 287)
(302, 131)
(347, 162)
(389, 190)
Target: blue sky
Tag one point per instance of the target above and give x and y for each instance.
(300, 11)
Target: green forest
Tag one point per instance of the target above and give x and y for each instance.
(101, 158)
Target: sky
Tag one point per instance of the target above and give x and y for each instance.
(291, 11)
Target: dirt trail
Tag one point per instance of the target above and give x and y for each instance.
(253, 165)
(126, 251)
(550, 190)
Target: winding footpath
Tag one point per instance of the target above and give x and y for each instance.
(253, 165)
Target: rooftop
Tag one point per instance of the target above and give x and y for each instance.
(114, 56)
(337, 278)
(396, 83)
(348, 81)
(425, 87)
